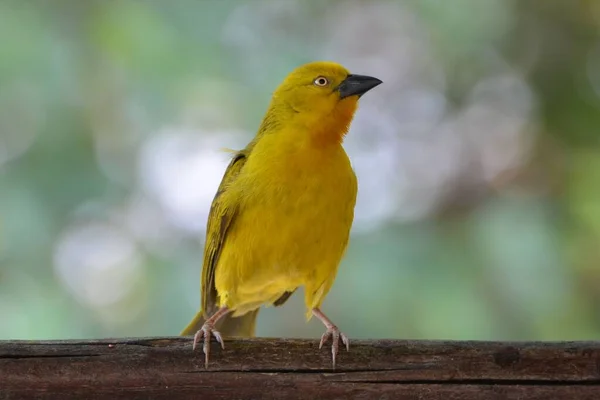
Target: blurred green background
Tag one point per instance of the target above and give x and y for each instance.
(478, 161)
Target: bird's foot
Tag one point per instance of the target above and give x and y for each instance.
(334, 333)
(205, 333)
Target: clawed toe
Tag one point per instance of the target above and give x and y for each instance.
(335, 335)
(204, 333)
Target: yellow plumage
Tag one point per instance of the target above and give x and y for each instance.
(283, 212)
(293, 223)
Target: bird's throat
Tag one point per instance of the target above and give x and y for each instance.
(333, 127)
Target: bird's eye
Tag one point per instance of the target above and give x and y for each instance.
(321, 81)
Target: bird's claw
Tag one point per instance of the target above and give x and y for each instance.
(205, 332)
(335, 335)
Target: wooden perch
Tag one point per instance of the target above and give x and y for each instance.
(166, 368)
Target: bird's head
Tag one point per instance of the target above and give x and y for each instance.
(323, 96)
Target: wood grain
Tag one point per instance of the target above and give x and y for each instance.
(166, 368)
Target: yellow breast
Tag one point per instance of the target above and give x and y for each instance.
(293, 224)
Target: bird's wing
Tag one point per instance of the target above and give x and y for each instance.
(220, 219)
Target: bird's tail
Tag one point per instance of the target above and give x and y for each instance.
(228, 326)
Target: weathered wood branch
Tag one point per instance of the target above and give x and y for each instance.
(166, 368)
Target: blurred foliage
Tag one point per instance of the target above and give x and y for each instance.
(478, 161)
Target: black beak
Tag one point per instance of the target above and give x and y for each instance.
(357, 85)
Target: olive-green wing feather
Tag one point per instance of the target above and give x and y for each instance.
(220, 218)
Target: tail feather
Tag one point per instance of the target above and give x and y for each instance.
(228, 326)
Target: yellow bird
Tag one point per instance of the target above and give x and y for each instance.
(282, 214)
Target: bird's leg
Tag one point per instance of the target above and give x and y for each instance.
(333, 332)
(206, 330)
